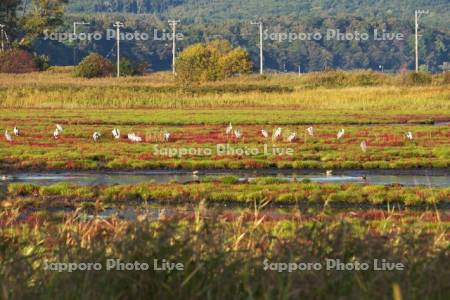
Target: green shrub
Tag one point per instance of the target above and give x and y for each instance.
(21, 189)
(229, 179)
(93, 66)
(269, 180)
(130, 68)
(415, 78)
(41, 61)
(337, 78)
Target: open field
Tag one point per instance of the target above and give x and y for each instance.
(225, 230)
(207, 146)
(152, 105)
(158, 91)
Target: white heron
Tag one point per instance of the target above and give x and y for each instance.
(96, 136)
(56, 133)
(277, 134)
(166, 137)
(340, 133)
(238, 134)
(310, 131)
(16, 131)
(229, 129)
(116, 133)
(363, 146)
(60, 128)
(329, 173)
(8, 136)
(292, 137)
(409, 135)
(134, 138)
(264, 133)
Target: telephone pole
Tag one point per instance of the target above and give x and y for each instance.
(75, 24)
(173, 24)
(417, 15)
(2, 32)
(118, 25)
(261, 62)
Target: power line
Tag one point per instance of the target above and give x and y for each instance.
(261, 61)
(173, 24)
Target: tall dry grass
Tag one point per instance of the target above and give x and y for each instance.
(58, 89)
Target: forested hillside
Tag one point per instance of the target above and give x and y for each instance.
(203, 20)
(215, 10)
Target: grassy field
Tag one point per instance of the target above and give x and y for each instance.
(225, 256)
(159, 91)
(225, 232)
(152, 105)
(208, 147)
(227, 190)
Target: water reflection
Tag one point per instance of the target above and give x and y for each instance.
(429, 178)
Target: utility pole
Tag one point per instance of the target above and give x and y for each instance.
(261, 62)
(173, 24)
(417, 15)
(118, 25)
(75, 24)
(2, 32)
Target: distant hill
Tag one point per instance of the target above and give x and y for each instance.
(203, 20)
(213, 11)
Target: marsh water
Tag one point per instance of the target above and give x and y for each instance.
(419, 177)
(155, 211)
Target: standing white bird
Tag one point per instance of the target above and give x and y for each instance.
(16, 131)
(363, 146)
(60, 128)
(229, 129)
(96, 136)
(264, 133)
(8, 136)
(116, 133)
(340, 133)
(292, 137)
(238, 134)
(409, 135)
(56, 133)
(166, 137)
(277, 134)
(134, 138)
(310, 131)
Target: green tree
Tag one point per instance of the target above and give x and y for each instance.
(237, 61)
(94, 65)
(211, 61)
(45, 15)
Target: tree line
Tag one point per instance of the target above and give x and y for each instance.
(26, 21)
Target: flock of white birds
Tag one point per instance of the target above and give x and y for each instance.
(277, 135)
(57, 133)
